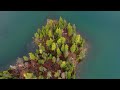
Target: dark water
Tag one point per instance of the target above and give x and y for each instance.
(101, 29)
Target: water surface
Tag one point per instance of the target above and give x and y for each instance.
(100, 28)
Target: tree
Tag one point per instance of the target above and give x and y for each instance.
(1, 73)
(77, 39)
(63, 64)
(50, 56)
(46, 31)
(49, 22)
(32, 56)
(65, 23)
(59, 32)
(41, 35)
(66, 51)
(41, 68)
(37, 51)
(66, 54)
(82, 42)
(74, 28)
(6, 75)
(41, 48)
(59, 41)
(50, 33)
(58, 51)
(53, 46)
(44, 55)
(29, 76)
(68, 75)
(41, 61)
(63, 40)
(25, 58)
(57, 74)
(63, 48)
(61, 23)
(41, 77)
(70, 31)
(73, 48)
(49, 74)
(66, 48)
(49, 42)
(36, 35)
(54, 59)
(60, 20)
(73, 38)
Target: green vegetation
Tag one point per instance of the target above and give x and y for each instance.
(59, 49)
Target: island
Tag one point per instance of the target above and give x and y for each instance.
(59, 50)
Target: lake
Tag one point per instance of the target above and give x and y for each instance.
(100, 28)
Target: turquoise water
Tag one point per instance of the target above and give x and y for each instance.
(100, 28)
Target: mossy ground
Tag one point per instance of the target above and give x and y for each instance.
(59, 49)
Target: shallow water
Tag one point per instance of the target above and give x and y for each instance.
(100, 28)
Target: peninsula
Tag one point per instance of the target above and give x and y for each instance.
(59, 49)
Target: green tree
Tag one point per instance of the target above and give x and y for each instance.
(59, 32)
(36, 35)
(41, 48)
(49, 42)
(41, 77)
(1, 73)
(74, 28)
(58, 51)
(49, 74)
(49, 22)
(59, 41)
(50, 33)
(32, 56)
(50, 56)
(63, 40)
(66, 54)
(77, 39)
(82, 42)
(66, 48)
(25, 58)
(41, 68)
(63, 64)
(68, 75)
(73, 38)
(66, 51)
(73, 48)
(54, 59)
(41, 61)
(61, 23)
(63, 48)
(53, 46)
(37, 51)
(6, 75)
(41, 36)
(44, 55)
(70, 31)
(29, 76)
(57, 74)
(65, 23)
